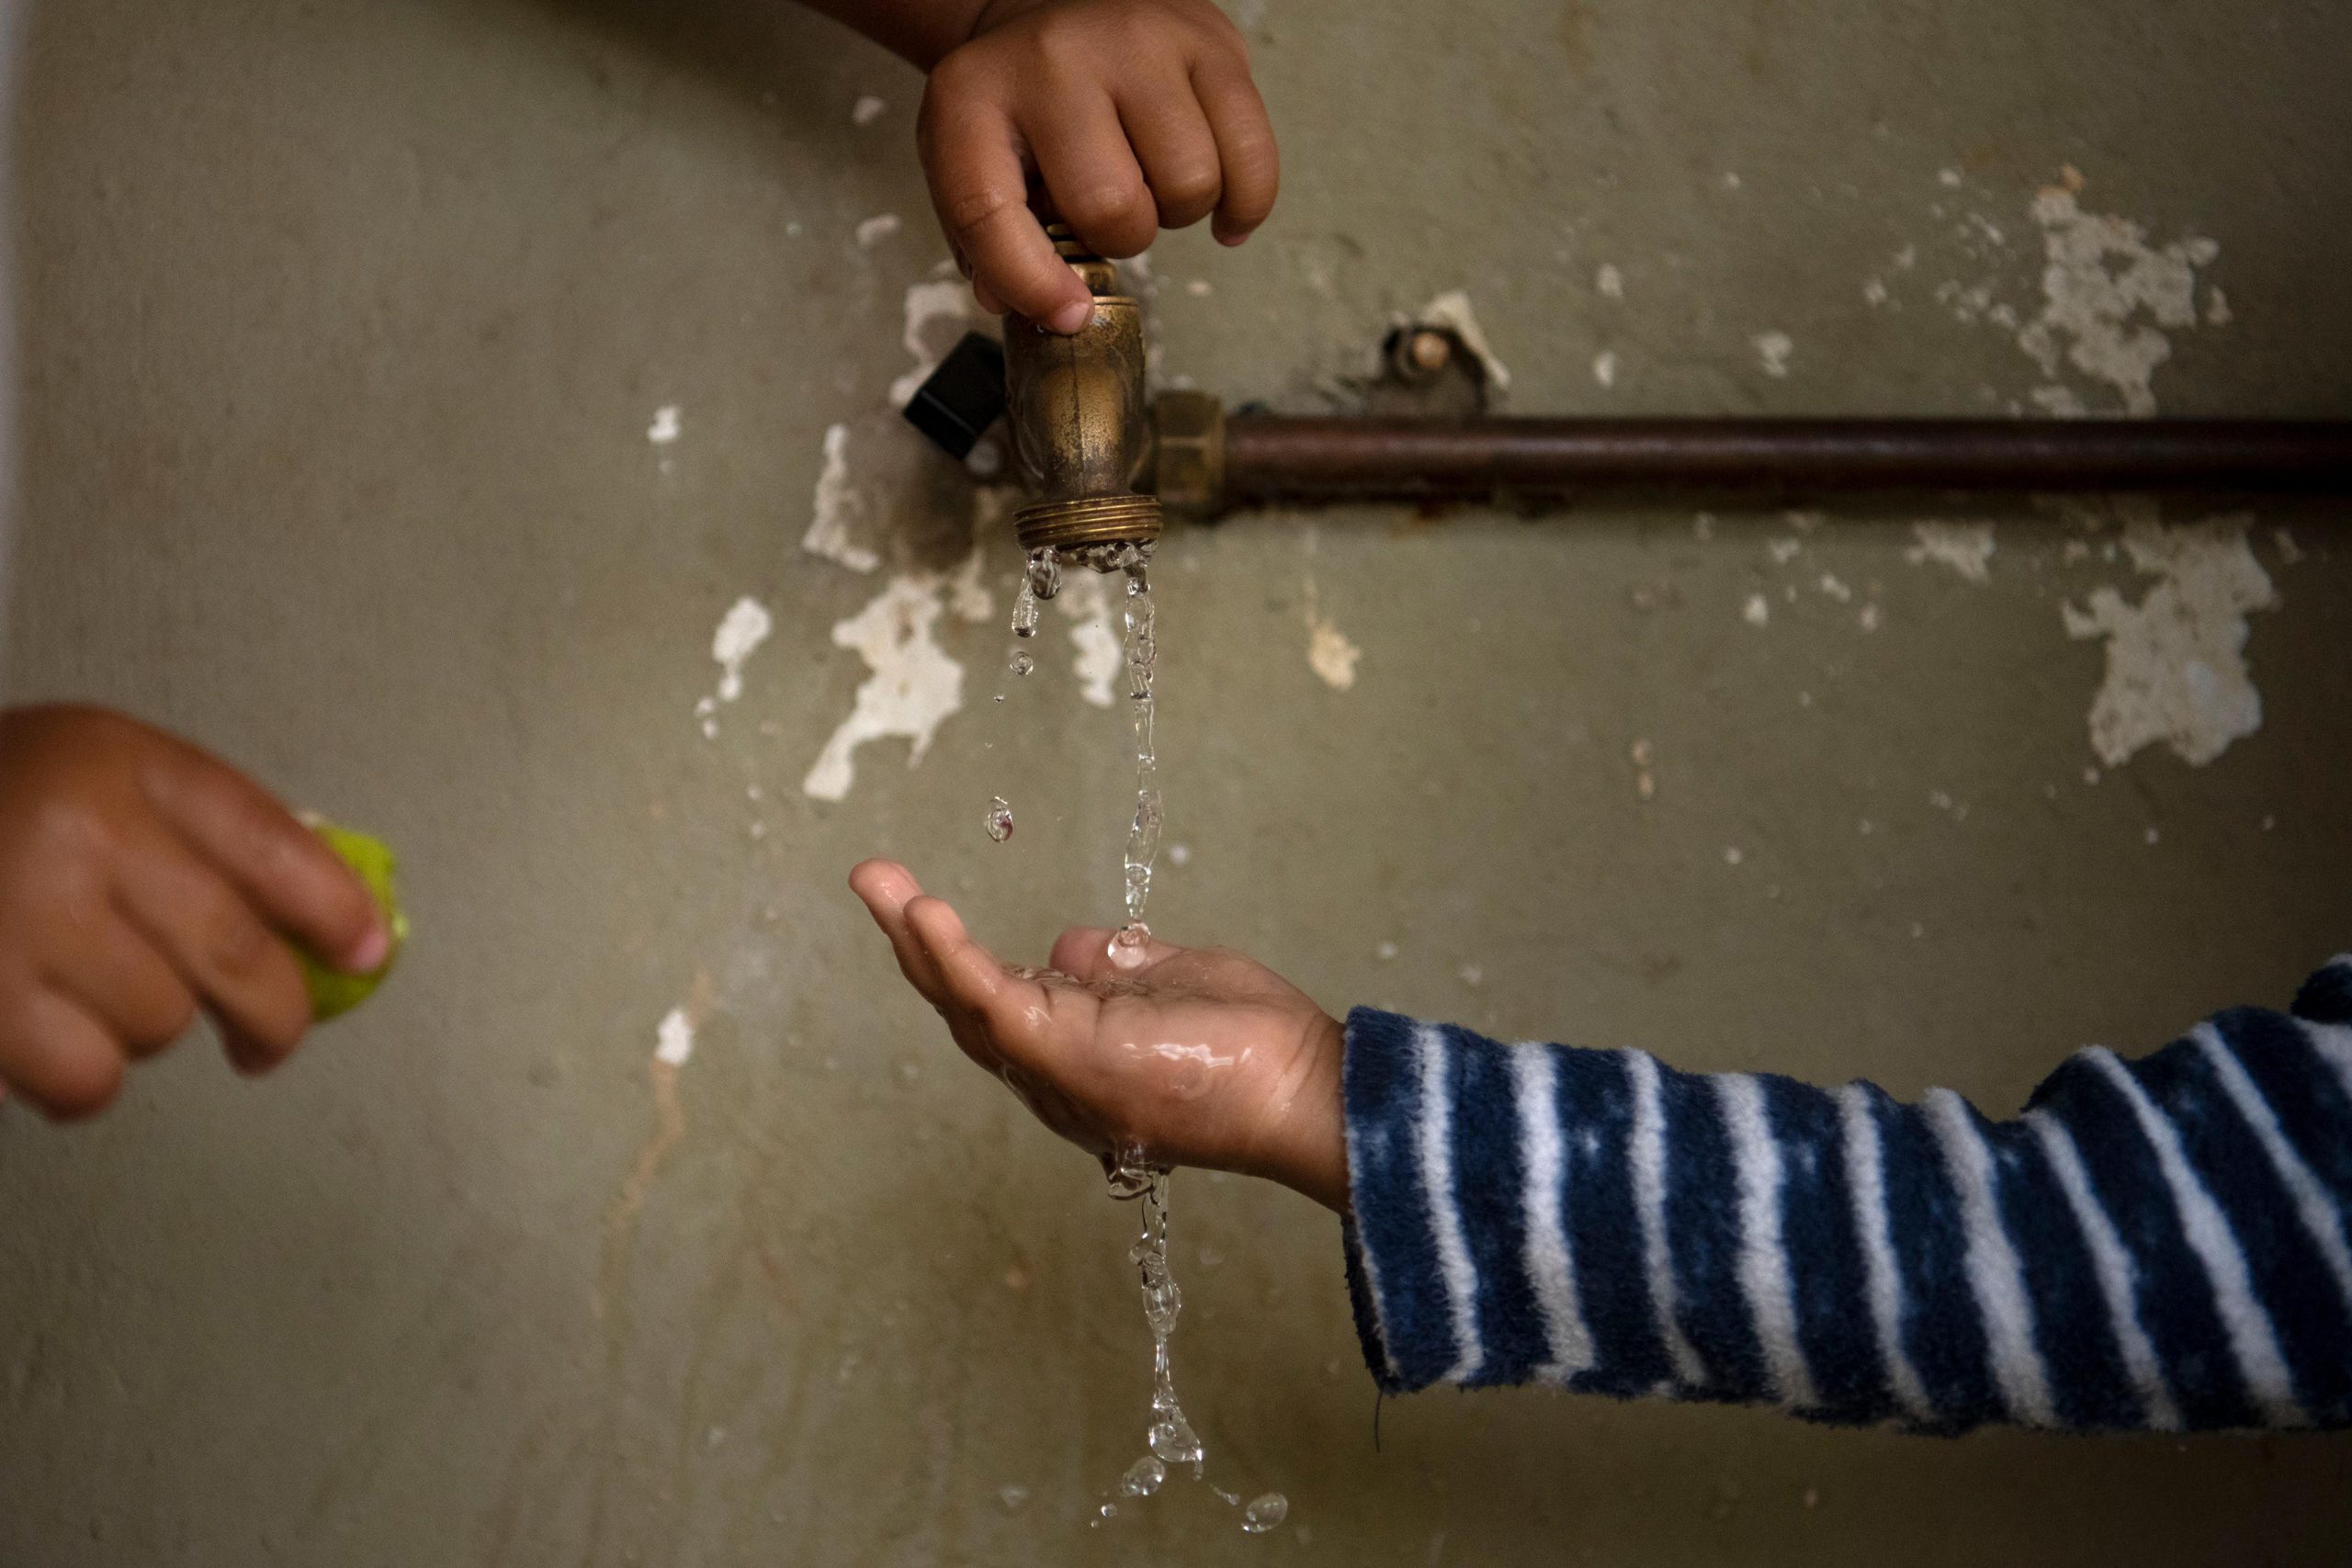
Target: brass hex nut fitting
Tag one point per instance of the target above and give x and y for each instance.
(1188, 459)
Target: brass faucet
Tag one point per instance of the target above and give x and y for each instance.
(1080, 430)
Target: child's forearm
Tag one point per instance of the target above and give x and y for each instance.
(2157, 1244)
(922, 32)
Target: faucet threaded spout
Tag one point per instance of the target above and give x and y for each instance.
(1081, 435)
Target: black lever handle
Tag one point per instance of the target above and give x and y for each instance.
(960, 400)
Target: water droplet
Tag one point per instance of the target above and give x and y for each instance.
(1264, 1513)
(999, 818)
(1143, 1478)
(1043, 578)
(1023, 662)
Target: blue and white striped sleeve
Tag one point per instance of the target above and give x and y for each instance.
(2157, 1244)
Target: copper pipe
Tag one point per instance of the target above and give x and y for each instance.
(1270, 457)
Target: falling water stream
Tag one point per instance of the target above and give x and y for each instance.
(1170, 1441)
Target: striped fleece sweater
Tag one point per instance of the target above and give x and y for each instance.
(2152, 1244)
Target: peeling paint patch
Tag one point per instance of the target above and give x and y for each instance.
(1328, 652)
(1604, 368)
(741, 631)
(1086, 599)
(1757, 612)
(939, 311)
(913, 686)
(2175, 661)
(665, 426)
(745, 626)
(1965, 547)
(2109, 296)
(1453, 309)
(1610, 281)
(1772, 351)
(837, 510)
(675, 1039)
(876, 229)
(868, 109)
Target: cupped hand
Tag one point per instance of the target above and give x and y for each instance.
(1182, 1055)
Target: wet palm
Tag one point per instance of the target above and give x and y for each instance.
(1184, 1056)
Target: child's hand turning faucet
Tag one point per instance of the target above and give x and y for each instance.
(1121, 116)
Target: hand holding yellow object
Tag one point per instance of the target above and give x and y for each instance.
(333, 992)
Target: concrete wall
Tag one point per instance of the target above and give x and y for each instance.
(343, 328)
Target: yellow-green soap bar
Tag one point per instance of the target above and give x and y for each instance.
(332, 991)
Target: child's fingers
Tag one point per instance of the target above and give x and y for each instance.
(970, 974)
(220, 947)
(116, 974)
(1172, 142)
(887, 889)
(1091, 172)
(58, 1056)
(971, 153)
(283, 868)
(1245, 145)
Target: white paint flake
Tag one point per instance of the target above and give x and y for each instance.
(1086, 599)
(2059, 402)
(1453, 309)
(1837, 588)
(868, 109)
(1757, 610)
(741, 631)
(2109, 296)
(665, 426)
(1965, 547)
(939, 311)
(1610, 281)
(1782, 552)
(1874, 292)
(1772, 351)
(837, 510)
(675, 1039)
(1604, 368)
(876, 229)
(913, 685)
(2175, 661)
(1328, 652)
